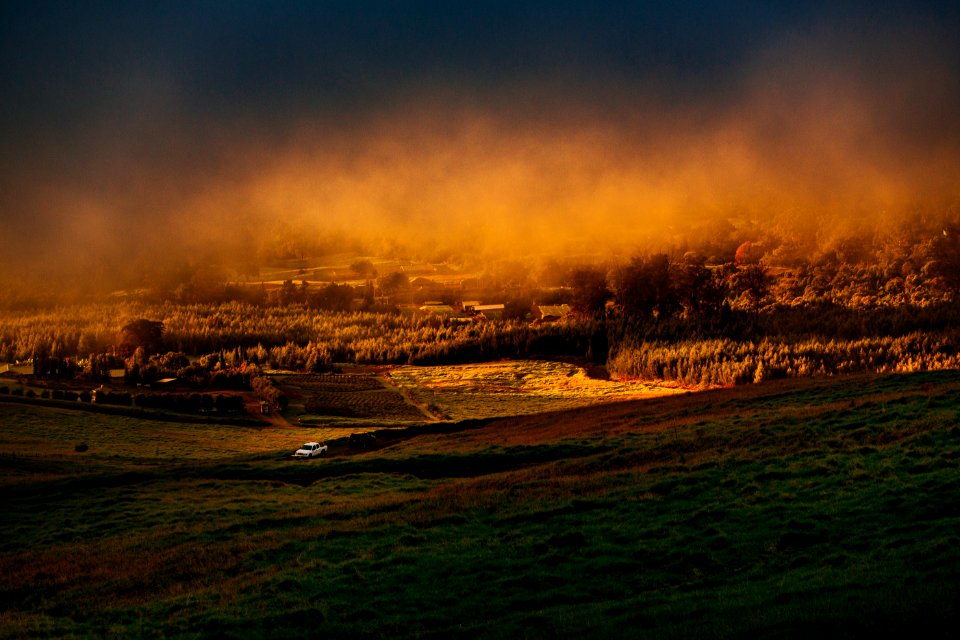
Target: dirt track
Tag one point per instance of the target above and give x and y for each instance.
(251, 404)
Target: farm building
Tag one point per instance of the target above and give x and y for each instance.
(490, 311)
(443, 310)
(17, 369)
(550, 313)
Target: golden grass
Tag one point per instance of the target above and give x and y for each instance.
(515, 387)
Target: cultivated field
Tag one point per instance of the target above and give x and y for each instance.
(787, 509)
(349, 400)
(514, 387)
(406, 395)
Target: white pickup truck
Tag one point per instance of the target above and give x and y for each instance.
(311, 450)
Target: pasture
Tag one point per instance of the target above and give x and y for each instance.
(786, 509)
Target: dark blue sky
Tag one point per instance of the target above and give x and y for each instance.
(64, 62)
(132, 109)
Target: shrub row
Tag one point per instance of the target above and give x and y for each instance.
(179, 402)
(191, 402)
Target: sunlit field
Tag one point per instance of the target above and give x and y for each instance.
(508, 388)
(405, 395)
(790, 508)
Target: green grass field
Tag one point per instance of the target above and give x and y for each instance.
(803, 508)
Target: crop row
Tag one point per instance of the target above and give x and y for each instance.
(361, 404)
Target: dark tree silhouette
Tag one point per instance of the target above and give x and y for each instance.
(945, 258)
(288, 293)
(364, 269)
(645, 286)
(691, 278)
(335, 297)
(394, 283)
(590, 292)
(146, 334)
(700, 291)
(753, 282)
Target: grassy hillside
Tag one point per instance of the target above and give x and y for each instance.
(827, 507)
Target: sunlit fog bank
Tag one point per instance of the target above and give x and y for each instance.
(810, 140)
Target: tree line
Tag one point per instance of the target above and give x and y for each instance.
(684, 318)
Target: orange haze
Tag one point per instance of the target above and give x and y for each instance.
(805, 141)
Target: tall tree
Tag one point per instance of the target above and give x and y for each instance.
(288, 293)
(700, 291)
(945, 257)
(752, 282)
(394, 283)
(590, 291)
(142, 333)
(645, 286)
(364, 269)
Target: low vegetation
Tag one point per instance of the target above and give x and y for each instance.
(785, 509)
(359, 397)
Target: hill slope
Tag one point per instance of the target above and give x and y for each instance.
(778, 510)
